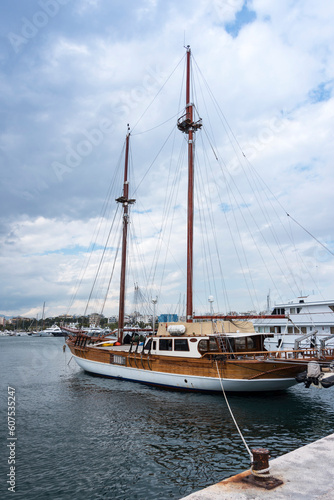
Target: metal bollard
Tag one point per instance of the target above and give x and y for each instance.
(260, 470)
(260, 464)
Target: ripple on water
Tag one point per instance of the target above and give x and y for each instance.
(92, 438)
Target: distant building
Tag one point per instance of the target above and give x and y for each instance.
(94, 319)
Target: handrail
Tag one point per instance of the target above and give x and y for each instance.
(283, 355)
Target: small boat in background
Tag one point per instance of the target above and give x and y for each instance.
(52, 331)
(300, 323)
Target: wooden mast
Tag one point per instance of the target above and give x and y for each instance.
(190, 232)
(125, 202)
(187, 125)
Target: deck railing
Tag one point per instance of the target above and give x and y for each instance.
(284, 355)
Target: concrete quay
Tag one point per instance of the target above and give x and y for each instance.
(307, 474)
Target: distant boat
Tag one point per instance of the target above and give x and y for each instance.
(52, 331)
(197, 354)
(303, 322)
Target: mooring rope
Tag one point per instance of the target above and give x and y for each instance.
(260, 473)
(234, 420)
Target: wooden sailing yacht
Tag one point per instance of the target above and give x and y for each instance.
(219, 355)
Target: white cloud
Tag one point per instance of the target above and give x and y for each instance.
(274, 84)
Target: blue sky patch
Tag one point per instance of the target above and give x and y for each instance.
(148, 211)
(225, 207)
(302, 168)
(75, 250)
(321, 93)
(243, 17)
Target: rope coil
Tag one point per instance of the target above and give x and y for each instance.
(260, 473)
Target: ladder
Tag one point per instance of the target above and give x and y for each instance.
(221, 339)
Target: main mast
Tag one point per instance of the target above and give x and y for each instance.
(187, 125)
(125, 202)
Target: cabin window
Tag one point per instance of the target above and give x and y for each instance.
(213, 345)
(303, 329)
(181, 345)
(298, 310)
(290, 329)
(165, 344)
(203, 345)
(331, 307)
(154, 344)
(244, 343)
(250, 343)
(292, 310)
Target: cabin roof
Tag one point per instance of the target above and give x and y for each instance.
(203, 328)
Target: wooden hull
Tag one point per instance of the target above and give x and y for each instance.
(189, 374)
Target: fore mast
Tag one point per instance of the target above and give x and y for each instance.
(125, 202)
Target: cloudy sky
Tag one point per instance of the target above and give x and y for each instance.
(75, 72)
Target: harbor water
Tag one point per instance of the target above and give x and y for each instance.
(78, 436)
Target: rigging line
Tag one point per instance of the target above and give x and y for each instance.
(260, 232)
(101, 260)
(239, 146)
(308, 232)
(306, 269)
(203, 241)
(155, 97)
(231, 413)
(135, 242)
(136, 263)
(242, 246)
(299, 260)
(217, 104)
(104, 274)
(233, 136)
(213, 225)
(206, 249)
(156, 156)
(170, 188)
(95, 236)
(217, 159)
(170, 252)
(175, 183)
(280, 204)
(262, 208)
(279, 246)
(112, 273)
(174, 189)
(157, 126)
